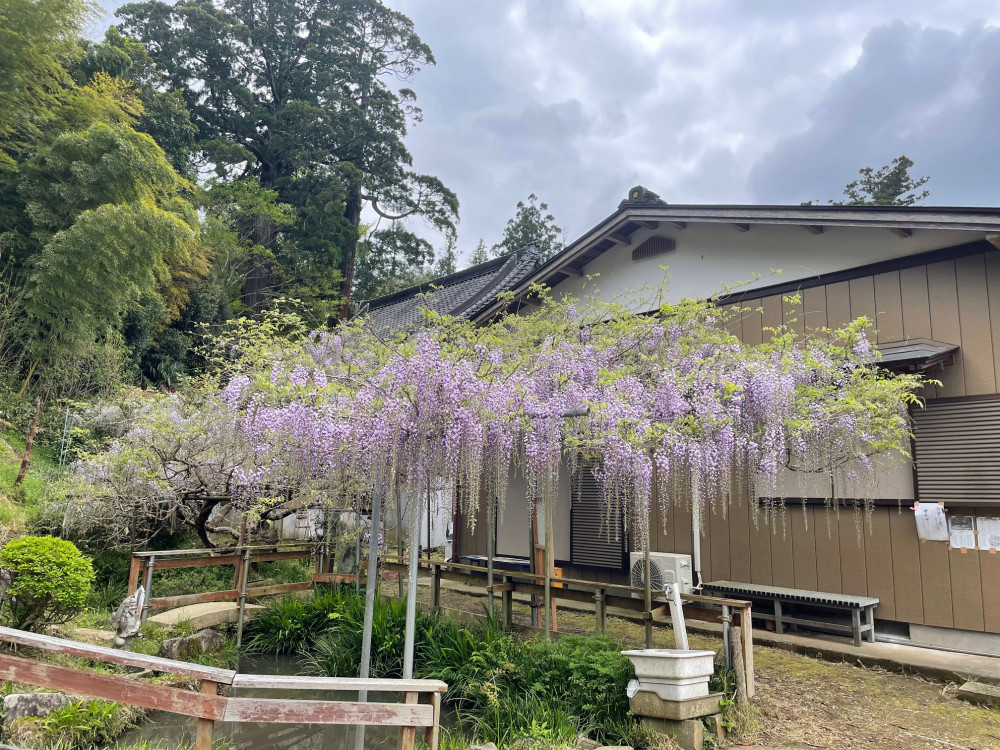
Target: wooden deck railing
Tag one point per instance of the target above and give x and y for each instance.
(208, 707)
(728, 612)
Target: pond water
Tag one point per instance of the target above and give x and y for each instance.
(173, 729)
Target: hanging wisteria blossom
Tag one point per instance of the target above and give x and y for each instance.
(673, 406)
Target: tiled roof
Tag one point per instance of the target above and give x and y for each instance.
(462, 294)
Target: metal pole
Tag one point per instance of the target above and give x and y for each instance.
(647, 593)
(149, 588)
(243, 597)
(696, 534)
(370, 587)
(532, 568)
(548, 568)
(489, 555)
(409, 637)
(399, 535)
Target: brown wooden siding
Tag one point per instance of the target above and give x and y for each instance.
(956, 301)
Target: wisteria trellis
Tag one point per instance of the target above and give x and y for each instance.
(679, 408)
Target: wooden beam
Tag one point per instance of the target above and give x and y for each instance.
(114, 656)
(184, 600)
(904, 233)
(646, 224)
(620, 238)
(112, 688)
(576, 273)
(993, 238)
(742, 227)
(678, 224)
(814, 228)
(348, 684)
(278, 711)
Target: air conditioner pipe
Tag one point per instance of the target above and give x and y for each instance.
(673, 593)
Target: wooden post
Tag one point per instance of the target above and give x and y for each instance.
(600, 609)
(737, 659)
(30, 442)
(507, 605)
(746, 632)
(408, 737)
(134, 569)
(435, 587)
(432, 735)
(206, 727)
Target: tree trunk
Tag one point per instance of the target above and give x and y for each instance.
(260, 276)
(31, 441)
(353, 213)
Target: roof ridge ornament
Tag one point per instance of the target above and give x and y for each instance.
(640, 196)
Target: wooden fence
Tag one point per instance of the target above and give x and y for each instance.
(727, 612)
(144, 564)
(208, 707)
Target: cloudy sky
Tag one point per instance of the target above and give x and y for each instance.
(702, 101)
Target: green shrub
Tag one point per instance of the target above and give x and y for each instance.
(81, 725)
(588, 676)
(502, 690)
(50, 581)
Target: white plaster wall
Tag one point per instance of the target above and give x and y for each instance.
(708, 256)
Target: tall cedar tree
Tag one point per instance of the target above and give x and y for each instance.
(297, 93)
(531, 225)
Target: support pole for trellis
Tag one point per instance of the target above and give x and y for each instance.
(399, 535)
(370, 588)
(409, 636)
(148, 585)
(647, 593)
(244, 572)
(491, 507)
(548, 568)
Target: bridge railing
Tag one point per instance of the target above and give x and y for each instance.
(208, 707)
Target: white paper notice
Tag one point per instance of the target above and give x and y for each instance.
(989, 532)
(962, 532)
(932, 526)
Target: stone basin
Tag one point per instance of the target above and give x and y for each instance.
(670, 664)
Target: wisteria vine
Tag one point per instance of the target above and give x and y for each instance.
(677, 409)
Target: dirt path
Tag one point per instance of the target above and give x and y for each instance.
(807, 703)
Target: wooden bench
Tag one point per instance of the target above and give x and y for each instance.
(818, 599)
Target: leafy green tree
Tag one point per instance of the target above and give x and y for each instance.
(531, 225)
(448, 262)
(36, 36)
(282, 88)
(392, 259)
(109, 235)
(480, 255)
(890, 185)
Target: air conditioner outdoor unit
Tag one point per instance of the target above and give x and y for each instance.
(664, 567)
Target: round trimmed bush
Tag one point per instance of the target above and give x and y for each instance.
(49, 581)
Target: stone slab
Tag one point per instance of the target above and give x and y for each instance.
(648, 704)
(977, 692)
(207, 615)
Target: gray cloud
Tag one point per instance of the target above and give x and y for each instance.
(710, 101)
